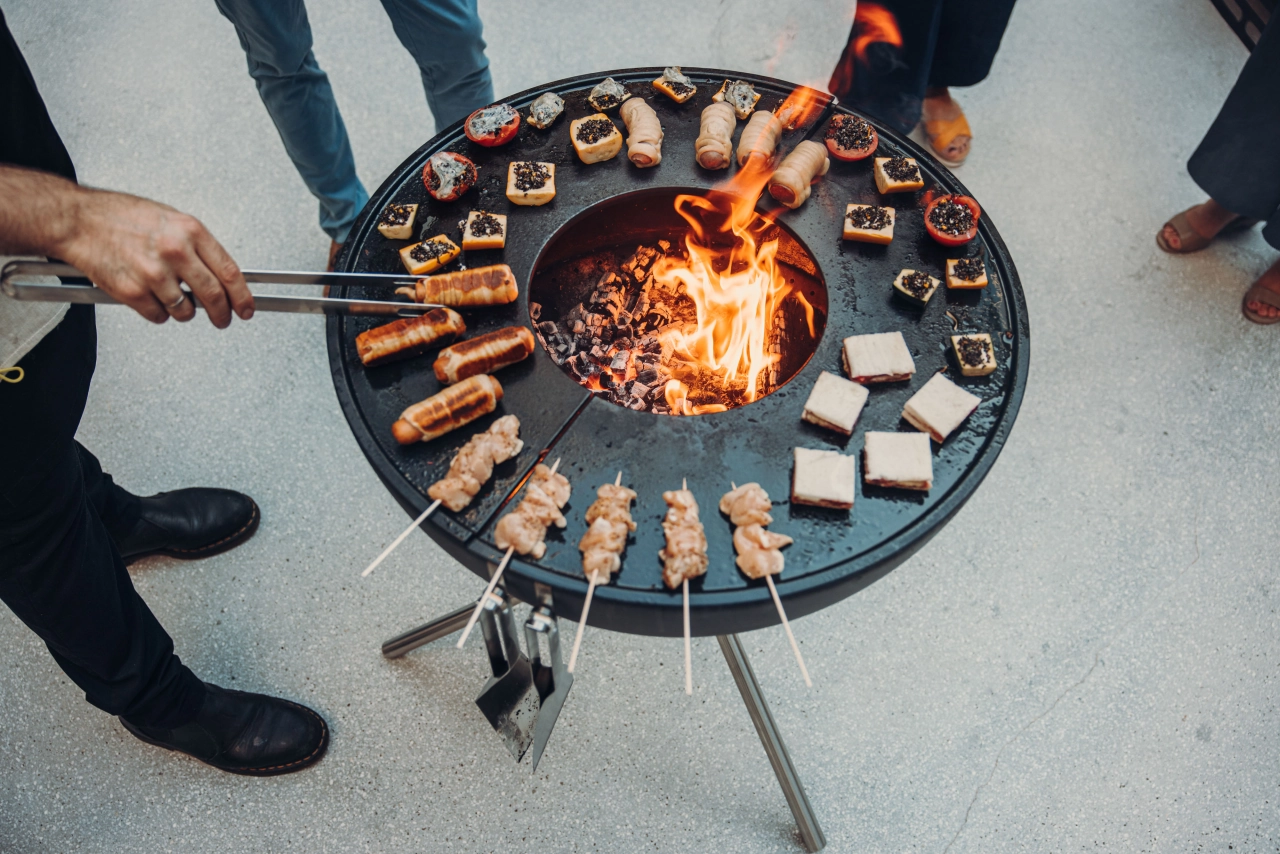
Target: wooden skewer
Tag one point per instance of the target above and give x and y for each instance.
(688, 649)
(400, 539)
(493, 582)
(786, 624)
(586, 605)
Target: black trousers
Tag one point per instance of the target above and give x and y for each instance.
(944, 43)
(1238, 161)
(60, 571)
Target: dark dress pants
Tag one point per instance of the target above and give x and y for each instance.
(60, 571)
(944, 43)
(1238, 162)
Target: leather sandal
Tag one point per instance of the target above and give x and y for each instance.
(1190, 240)
(940, 133)
(1259, 292)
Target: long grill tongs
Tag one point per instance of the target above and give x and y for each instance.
(30, 281)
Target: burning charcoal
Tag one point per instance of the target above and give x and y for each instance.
(620, 361)
(575, 314)
(623, 318)
(607, 334)
(606, 379)
(578, 327)
(659, 409)
(535, 311)
(665, 246)
(647, 377)
(639, 389)
(597, 352)
(637, 405)
(556, 357)
(548, 329)
(651, 344)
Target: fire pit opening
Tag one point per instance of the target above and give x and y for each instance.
(678, 301)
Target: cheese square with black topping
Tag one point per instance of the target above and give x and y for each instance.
(974, 353)
(964, 273)
(530, 182)
(939, 407)
(396, 222)
(897, 175)
(595, 138)
(869, 223)
(901, 460)
(429, 255)
(484, 230)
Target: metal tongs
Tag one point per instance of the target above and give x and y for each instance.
(22, 280)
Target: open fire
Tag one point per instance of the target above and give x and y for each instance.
(702, 319)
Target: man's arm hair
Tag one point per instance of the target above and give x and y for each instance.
(37, 211)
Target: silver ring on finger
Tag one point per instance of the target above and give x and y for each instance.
(179, 301)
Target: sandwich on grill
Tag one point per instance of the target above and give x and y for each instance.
(881, 357)
(835, 403)
(903, 460)
(939, 407)
(823, 479)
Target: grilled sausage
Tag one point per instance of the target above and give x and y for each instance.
(715, 137)
(802, 168)
(644, 143)
(759, 137)
(483, 354)
(455, 406)
(492, 285)
(401, 339)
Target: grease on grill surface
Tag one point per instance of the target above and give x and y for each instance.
(951, 217)
(901, 169)
(969, 269)
(850, 134)
(593, 131)
(870, 218)
(534, 176)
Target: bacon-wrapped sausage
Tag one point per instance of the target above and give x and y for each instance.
(410, 336)
(644, 132)
(759, 137)
(450, 409)
(492, 285)
(483, 354)
(714, 146)
(806, 163)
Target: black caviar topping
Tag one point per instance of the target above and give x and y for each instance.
(969, 269)
(951, 217)
(901, 169)
(395, 215)
(917, 284)
(870, 218)
(429, 250)
(973, 352)
(484, 224)
(534, 176)
(604, 102)
(464, 183)
(594, 130)
(680, 89)
(850, 133)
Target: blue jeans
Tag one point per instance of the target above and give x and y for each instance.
(444, 38)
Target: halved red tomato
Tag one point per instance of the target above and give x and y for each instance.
(851, 138)
(492, 126)
(952, 220)
(448, 175)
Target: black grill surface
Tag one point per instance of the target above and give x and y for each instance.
(836, 553)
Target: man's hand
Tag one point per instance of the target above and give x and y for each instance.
(138, 251)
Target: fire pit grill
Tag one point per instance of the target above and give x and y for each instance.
(835, 554)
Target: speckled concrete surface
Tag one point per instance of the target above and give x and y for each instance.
(1085, 659)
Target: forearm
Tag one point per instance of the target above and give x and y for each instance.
(38, 212)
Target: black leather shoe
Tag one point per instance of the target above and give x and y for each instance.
(243, 733)
(190, 523)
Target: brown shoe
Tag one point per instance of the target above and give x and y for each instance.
(334, 248)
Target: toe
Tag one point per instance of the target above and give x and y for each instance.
(1171, 237)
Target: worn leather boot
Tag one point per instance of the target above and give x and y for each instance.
(244, 733)
(190, 523)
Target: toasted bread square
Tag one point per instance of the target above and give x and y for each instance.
(675, 85)
(974, 353)
(902, 460)
(522, 179)
(472, 240)
(915, 287)
(868, 235)
(421, 258)
(823, 479)
(881, 357)
(594, 149)
(887, 184)
(396, 222)
(742, 109)
(835, 403)
(956, 282)
(939, 407)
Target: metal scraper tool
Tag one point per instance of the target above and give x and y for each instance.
(552, 680)
(509, 699)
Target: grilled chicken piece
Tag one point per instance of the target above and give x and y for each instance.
(524, 528)
(747, 505)
(757, 548)
(473, 465)
(609, 521)
(685, 554)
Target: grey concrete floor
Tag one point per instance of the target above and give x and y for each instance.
(1085, 659)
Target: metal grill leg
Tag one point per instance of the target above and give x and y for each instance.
(434, 630)
(774, 747)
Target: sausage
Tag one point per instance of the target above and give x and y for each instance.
(483, 354)
(760, 136)
(802, 168)
(450, 409)
(401, 339)
(644, 143)
(715, 137)
(492, 285)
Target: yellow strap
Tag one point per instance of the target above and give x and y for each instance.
(12, 375)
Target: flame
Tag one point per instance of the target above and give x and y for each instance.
(801, 107)
(874, 24)
(733, 278)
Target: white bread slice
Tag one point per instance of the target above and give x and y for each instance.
(396, 222)
(605, 148)
(533, 195)
(939, 407)
(979, 368)
(471, 240)
(955, 282)
(903, 460)
(835, 403)
(419, 263)
(823, 479)
(881, 357)
(886, 184)
(868, 235)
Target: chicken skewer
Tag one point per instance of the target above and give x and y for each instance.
(471, 468)
(523, 529)
(684, 557)
(609, 522)
(758, 549)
